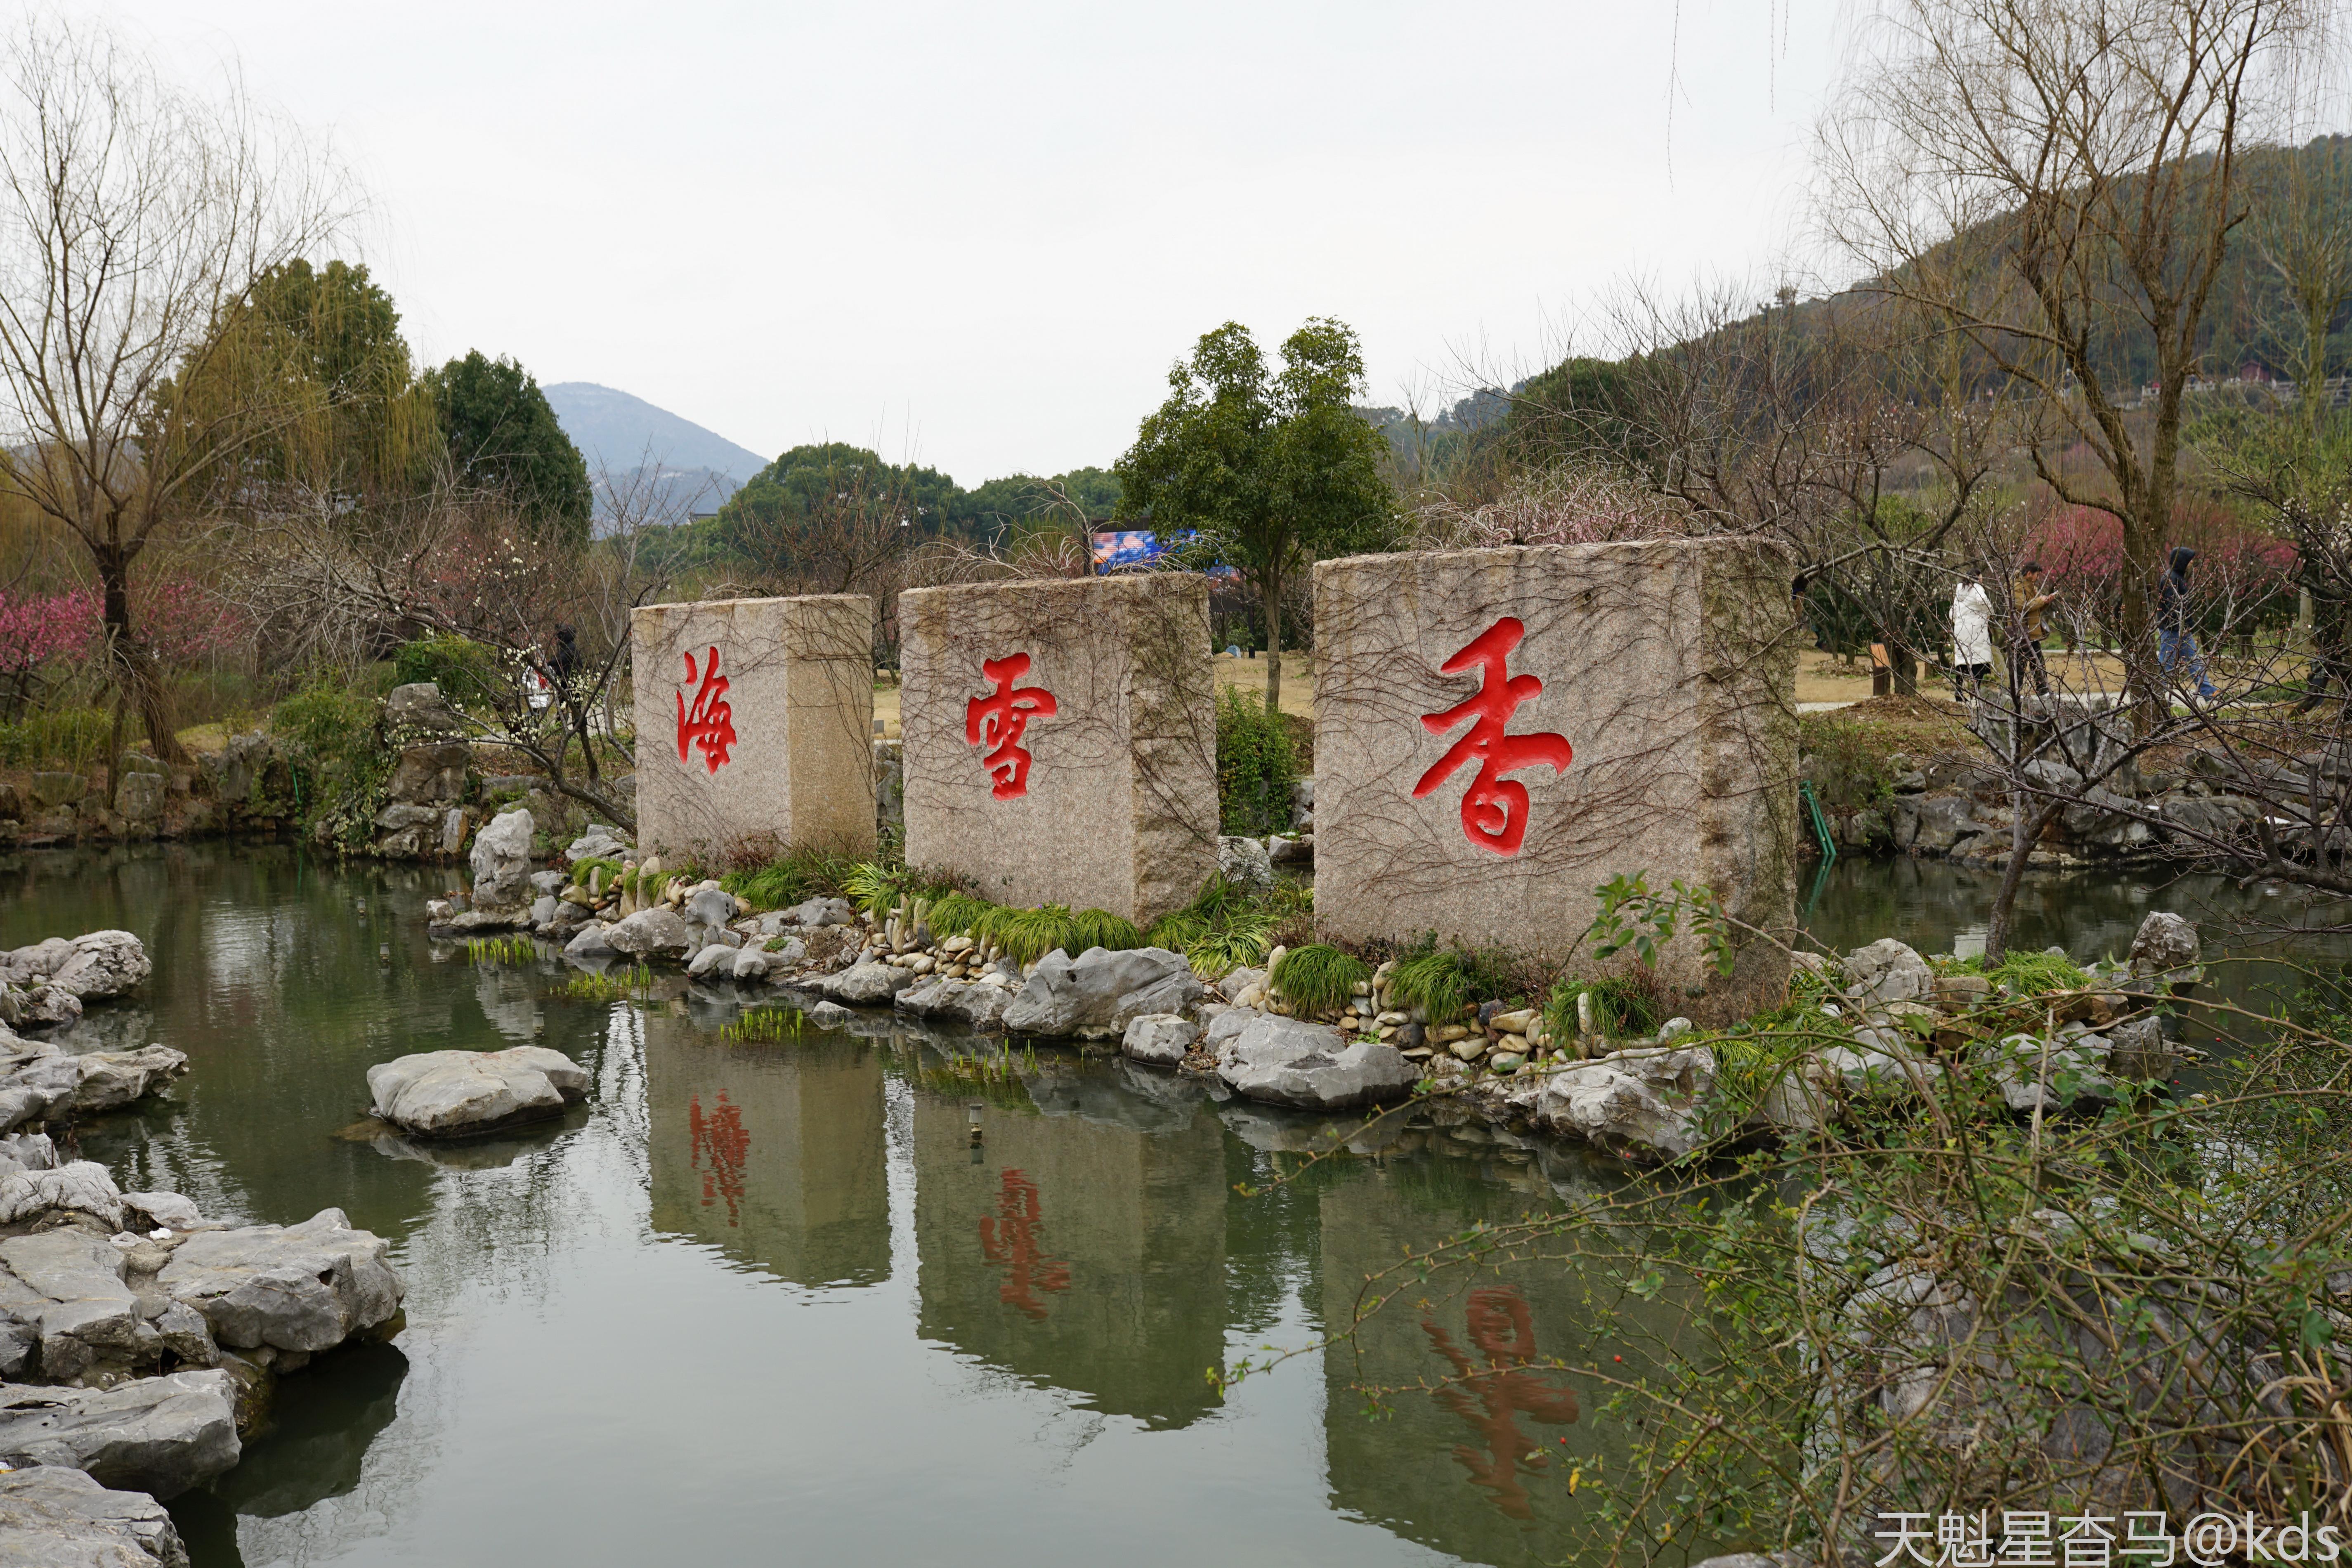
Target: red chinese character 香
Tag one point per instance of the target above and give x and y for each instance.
(1494, 809)
(709, 725)
(997, 720)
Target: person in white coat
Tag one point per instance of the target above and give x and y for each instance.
(1971, 636)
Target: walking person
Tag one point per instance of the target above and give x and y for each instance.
(2331, 637)
(2174, 638)
(2025, 643)
(1971, 635)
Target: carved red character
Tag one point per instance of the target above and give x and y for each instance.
(709, 725)
(1493, 1398)
(1494, 809)
(1013, 1239)
(997, 720)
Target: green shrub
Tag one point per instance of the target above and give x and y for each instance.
(799, 874)
(67, 737)
(340, 765)
(1256, 766)
(1848, 764)
(1444, 981)
(1318, 977)
(1623, 1005)
(465, 671)
(1099, 928)
(1227, 924)
(2035, 974)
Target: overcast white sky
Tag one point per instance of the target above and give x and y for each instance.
(976, 236)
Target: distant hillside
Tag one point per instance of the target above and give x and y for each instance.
(697, 470)
(617, 431)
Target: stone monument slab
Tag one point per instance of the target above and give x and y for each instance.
(1060, 739)
(1499, 732)
(754, 725)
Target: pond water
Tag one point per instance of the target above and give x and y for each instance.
(768, 1300)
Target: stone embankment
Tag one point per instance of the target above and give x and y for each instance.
(1959, 805)
(138, 1338)
(1880, 1024)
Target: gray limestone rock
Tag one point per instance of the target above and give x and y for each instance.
(52, 1516)
(1245, 862)
(710, 906)
(961, 1000)
(161, 1435)
(821, 912)
(1095, 994)
(656, 931)
(712, 957)
(2166, 942)
(139, 798)
(1160, 1038)
(419, 705)
(1643, 1105)
(599, 843)
(82, 1187)
(594, 941)
(1287, 1062)
(305, 1287)
(2137, 1049)
(867, 985)
(1887, 971)
(502, 860)
(744, 963)
(830, 1015)
(447, 1094)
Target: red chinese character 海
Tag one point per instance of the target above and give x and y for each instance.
(1494, 1396)
(709, 725)
(997, 719)
(1494, 809)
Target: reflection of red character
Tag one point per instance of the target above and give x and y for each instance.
(998, 719)
(1494, 810)
(721, 1138)
(1010, 1239)
(709, 726)
(1492, 1397)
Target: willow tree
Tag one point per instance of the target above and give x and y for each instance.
(136, 222)
(2058, 182)
(1269, 468)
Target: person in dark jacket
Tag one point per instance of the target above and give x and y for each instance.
(2173, 637)
(2319, 572)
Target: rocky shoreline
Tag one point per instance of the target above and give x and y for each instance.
(1873, 1026)
(139, 1340)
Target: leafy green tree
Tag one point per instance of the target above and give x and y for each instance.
(1271, 469)
(502, 435)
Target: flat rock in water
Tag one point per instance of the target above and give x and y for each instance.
(659, 930)
(1099, 992)
(1285, 1062)
(161, 1435)
(83, 1187)
(307, 1287)
(53, 1516)
(447, 1094)
(593, 941)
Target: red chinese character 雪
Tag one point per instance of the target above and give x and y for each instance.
(1494, 809)
(997, 720)
(709, 725)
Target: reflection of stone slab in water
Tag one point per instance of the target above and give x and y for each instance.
(772, 1155)
(1078, 1252)
(1451, 1471)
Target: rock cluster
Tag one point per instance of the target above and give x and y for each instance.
(48, 982)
